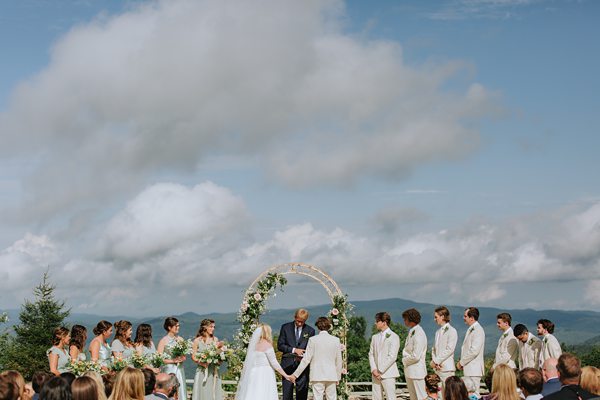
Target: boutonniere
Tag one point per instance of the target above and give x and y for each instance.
(504, 335)
(305, 336)
(387, 335)
(530, 342)
(545, 340)
(471, 329)
(445, 329)
(412, 334)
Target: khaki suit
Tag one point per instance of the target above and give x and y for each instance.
(550, 348)
(529, 352)
(471, 355)
(383, 354)
(413, 359)
(442, 352)
(507, 351)
(324, 354)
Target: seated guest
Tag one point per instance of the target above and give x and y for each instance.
(432, 386)
(99, 384)
(531, 383)
(16, 378)
(590, 380)
(129, 385)
(162, 388)
(56, 389)
(8, 389)
(38, 380)
(454, 389)
(504, 384)
(569, 373)
(149, 382)
(550, 374)
(84, 388)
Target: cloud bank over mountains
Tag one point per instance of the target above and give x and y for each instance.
(170, 238)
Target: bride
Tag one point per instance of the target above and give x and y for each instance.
(258, 379)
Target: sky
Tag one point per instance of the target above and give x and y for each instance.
(157, 156)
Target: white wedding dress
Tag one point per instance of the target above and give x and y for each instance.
(258, 376)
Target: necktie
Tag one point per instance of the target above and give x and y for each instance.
(298, 330)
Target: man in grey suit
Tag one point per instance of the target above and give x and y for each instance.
(163, 388)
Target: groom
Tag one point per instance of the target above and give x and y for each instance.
(292, 342)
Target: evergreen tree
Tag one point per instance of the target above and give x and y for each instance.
(26, 352)
(358, 350)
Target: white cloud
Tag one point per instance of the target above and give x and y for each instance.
(169, 83)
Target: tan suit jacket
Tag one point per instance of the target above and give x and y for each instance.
(507, 351)
(550, 348)
(529, 352)
(413, 354)
(471, 353)
(324, 354)
(442, 352)
(384, 353)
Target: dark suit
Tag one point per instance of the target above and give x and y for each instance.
(552, 385)
(289, 362)
(570, 392)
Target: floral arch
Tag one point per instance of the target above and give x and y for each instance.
(264, 286)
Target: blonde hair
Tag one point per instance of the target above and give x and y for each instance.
(504, 383)
(129, 385)
(266, 333)
(16, 378)
(99, 382)
(302, 313)
(590, 379)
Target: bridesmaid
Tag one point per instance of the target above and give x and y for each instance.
(99, 348)
(175, 365)
(77, 343)
(143, 343)
(58, 357)
(206, 387)
(122, 347)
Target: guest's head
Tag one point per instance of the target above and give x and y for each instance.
(590, 379)
(382, 320)
(38, 380)
(78, 336)
(174, 382)
(471, 315)
(149, 380)
(504, 383)
(99, 383)
(432, 384)
(545, 326)
(531, 381)
(60, 336)
(569, 369)
(323, 324)
(56, 389)
(411, 317)
(123, 331)
(16, 378)
(143, 335)
(487, 379)
(69, 377)
(171, 325)
(503, 321)
(129, 385)
(109, 383)
(441, 315)
(163, 383)
(455, 389)
(103, 328)
(549, 370)
(8, 389)
(300, 317)
(521, 332)
(207, 328)
(84, 388)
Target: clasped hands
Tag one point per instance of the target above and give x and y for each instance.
(299, 352)
(290, 378)
(376, 374)
(435, 366)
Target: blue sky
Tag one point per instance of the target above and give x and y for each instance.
(439, 151)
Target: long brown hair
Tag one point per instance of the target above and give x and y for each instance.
(84, 388)
(455, 389)
(58, 334)
(102, 327)
(121, 328)
(78, 336)
(143, 334)
(204, 324)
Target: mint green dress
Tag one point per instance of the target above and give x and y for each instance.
(207, 384)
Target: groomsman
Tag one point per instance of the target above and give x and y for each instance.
(413, 355)
(550, 346)
(442, 352)
(382, 358)
(292, 342)
(529, 348)
(507, 351)
(324, 354)
(471, 353)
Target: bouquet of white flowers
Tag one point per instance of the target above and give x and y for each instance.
(157, 360)
(80, 367)
(180, 348)
(214, 354)
(138, 360)
(118, 364)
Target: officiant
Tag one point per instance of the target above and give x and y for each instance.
(292, 342)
